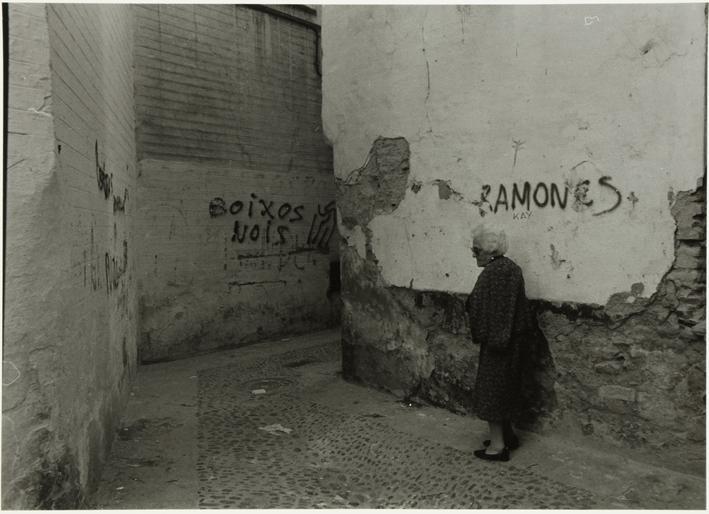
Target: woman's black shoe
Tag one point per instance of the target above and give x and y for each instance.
(503, 455)
(512, 443)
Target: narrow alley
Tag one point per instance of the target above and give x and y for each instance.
(318, 256)
(273, 425)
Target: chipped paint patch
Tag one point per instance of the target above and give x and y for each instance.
(358, 240)
(377, 187)
(444, 189)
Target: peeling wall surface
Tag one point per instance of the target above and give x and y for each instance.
(237, 217)
(70, 305)
(579, 130)
(493, 98)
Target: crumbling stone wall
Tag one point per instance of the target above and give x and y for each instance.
(630, 372)
(636, 366)
(69, 346)
(446, 121)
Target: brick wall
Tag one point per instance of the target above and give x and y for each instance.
(235, 184)
(70, 334)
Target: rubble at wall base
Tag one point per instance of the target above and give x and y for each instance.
(634, 380)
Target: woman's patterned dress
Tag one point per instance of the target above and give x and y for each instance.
(501, 323)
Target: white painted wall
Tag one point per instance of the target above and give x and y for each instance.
(228, 107)
(591, 91)
(69, 348)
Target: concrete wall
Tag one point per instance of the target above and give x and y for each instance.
(236, 190)
(70, 307)
(577, 129)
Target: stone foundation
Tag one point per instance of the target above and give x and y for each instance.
(630, 372)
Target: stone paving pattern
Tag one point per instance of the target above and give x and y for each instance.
(317, 457)
(195, 435)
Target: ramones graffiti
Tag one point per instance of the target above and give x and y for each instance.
(542, 195)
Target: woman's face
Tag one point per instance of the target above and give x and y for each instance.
(481, 256)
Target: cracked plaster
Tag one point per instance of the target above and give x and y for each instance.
(462, 107)
(621, 341)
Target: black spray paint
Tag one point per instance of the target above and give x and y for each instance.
(104, 180)
(322, 226)
(119, 204)
(269, 221)
(544, 195)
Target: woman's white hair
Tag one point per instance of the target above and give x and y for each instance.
(490, 240)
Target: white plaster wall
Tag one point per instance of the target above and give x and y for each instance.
(586, 91)
(92, 91)
(69, 348)
(204, 285)
(228, 112)
(31, 165)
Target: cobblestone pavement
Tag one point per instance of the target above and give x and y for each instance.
(283, 430)
(328, 458)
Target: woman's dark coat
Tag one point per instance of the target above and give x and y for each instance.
(502, 324)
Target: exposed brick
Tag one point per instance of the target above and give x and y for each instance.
(614, 392)
(609, 367)
(685, 276)
(690, 257)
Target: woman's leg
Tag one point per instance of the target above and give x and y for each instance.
(497, 440)
(509, 436)
(507, 431)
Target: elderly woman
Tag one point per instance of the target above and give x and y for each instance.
(500, 321)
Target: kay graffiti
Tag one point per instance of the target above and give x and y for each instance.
(261, 219)
(521, 198)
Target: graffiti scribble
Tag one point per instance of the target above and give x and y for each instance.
(119, 204)
(580, 191)
(517, 145)
(632, 198)
(605, 181)
(322, 226)
(105, 181)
